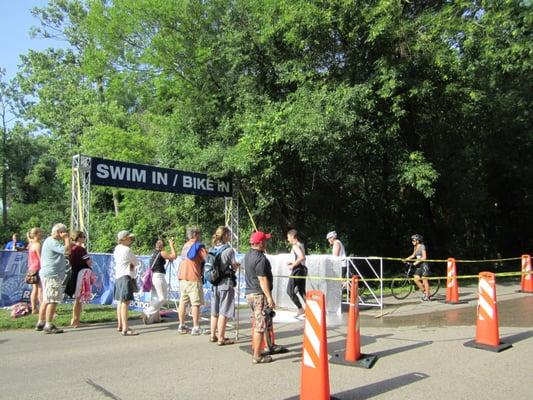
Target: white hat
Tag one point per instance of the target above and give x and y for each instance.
(124, 234)
(331, 235)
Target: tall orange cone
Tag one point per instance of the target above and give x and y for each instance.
(452, 287)
(352, 354)
(263, 342)
(487, 329)
(314, 384)
(268, 348)
(353, 340)
(527, 277)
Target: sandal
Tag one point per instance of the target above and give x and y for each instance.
(213, 339)
(129, 332)
(226, 341)
(262, 360)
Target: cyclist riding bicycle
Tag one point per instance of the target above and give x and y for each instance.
(422, 268)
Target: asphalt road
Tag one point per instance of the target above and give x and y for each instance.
(419, 347)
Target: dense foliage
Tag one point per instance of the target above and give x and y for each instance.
(377, 118)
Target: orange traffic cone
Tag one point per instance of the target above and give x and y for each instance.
(352, 354)
(314, 384)
(353, 340)
(527, 277)
(263, 342)
(452, 286)
(487, 331)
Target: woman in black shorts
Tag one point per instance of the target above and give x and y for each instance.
(422, 268)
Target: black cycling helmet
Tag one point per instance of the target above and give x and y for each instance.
(418, 237)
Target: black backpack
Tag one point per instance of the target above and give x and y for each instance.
(214, 271)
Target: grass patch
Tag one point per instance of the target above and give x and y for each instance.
(92, 313)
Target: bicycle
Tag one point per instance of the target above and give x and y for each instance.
(402, 285)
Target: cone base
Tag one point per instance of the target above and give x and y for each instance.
(496, 349)
(525, 291)
(455, 302)
(365, 361)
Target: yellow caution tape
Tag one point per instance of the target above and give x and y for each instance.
(438, 261)
(316, 277)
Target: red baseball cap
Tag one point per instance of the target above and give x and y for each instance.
(259, 237)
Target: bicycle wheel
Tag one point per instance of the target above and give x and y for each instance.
(401, 287)
(434, 286)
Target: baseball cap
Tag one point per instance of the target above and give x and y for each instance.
(259, 237)
(124, 234)
(331, 234)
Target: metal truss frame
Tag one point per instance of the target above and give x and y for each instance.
(81, 194)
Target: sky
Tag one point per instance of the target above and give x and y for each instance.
(15, 23)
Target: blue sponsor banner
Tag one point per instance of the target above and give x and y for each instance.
(13, 289)
(147, 177)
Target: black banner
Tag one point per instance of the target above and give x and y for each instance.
(139, 176)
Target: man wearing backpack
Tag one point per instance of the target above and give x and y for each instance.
(193, 256)
(220, 270)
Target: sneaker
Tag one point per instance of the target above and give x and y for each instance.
(425, 298)
(197, 331)
(52, 329)
(182, 330)
(299, 313)
(39, 327)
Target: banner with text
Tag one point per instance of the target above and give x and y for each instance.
(147, 177)
(13, 289)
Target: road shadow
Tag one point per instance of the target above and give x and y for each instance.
(377, 388)
(401, 349)
(518, 337)
(340, 346)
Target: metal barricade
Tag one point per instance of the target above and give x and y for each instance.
(370, 272)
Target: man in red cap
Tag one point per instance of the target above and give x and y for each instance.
(259, 283)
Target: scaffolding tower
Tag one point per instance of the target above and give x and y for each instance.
(81, 194)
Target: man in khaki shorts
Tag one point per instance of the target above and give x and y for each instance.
(52, 273)
(190, 276)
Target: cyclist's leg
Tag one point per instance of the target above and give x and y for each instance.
(419, 283)
(425, 282)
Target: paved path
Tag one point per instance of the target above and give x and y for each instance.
(420, 349)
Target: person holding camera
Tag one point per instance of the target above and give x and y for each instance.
(193, 256)
(159, 283)
(53, 269)
(259, 284)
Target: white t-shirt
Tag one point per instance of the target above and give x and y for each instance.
(123, 258)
